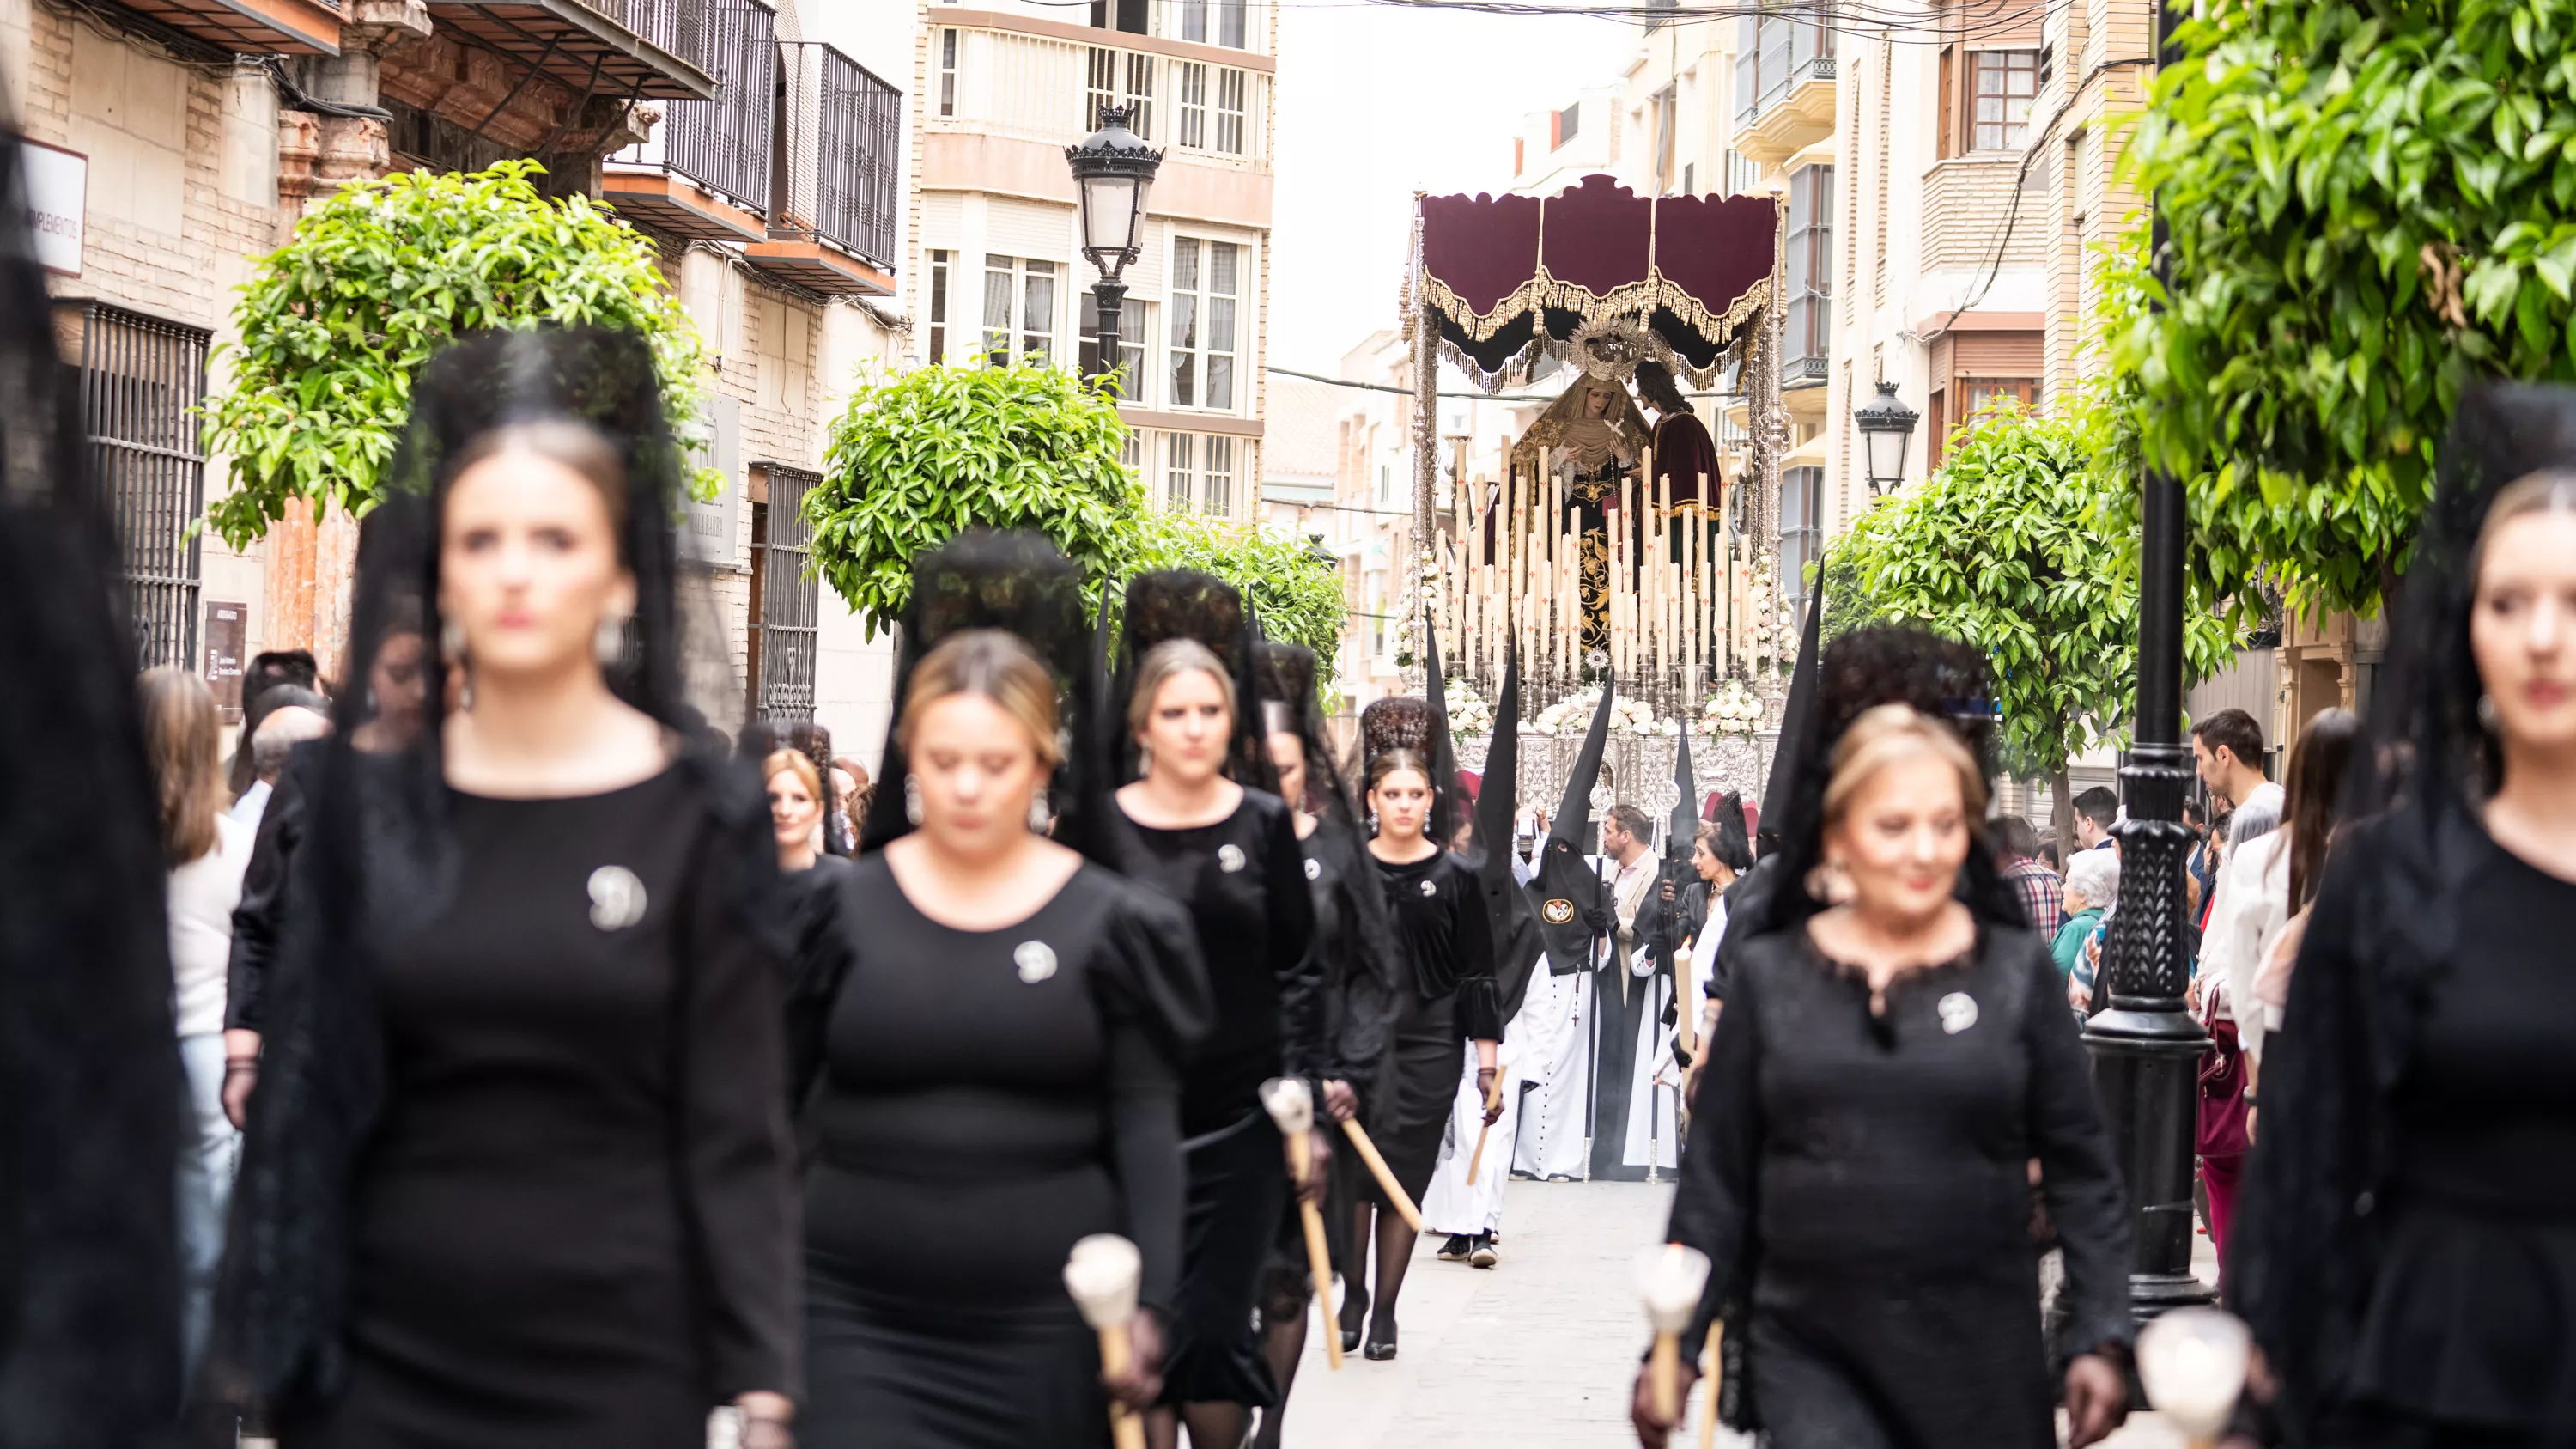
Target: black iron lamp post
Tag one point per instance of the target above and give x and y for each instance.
(1886, 427)
(1113, 169)
(2146, 1046)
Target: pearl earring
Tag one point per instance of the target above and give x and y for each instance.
(912, 799)
(609, 640)
(1039, 814)
(2487, 712)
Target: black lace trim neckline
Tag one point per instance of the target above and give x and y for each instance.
(1841, 970)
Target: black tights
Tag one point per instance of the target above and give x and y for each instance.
(1394, 1254)
(1283, 1342)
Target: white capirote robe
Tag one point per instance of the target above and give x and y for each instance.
(1452, 1204)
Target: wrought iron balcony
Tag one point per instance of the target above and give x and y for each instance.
(834, 222)
(705, 173)
(648, 49)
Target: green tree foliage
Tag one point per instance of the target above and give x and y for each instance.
(335, 325)
(921, 456)
(1296, 595)
(2010, 547)
(2370, 206)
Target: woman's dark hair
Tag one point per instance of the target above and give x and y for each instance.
(2315, 795)
(1387, 762)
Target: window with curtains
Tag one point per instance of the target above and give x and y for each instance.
(1205, 285)
(1231, 87)
(938, 318)
(1134, 318)
(1211, 22)
(1810, 276)
(2006, 83)
(1189, 95)
(948, 72)
(1119, 78)
(1019, 309)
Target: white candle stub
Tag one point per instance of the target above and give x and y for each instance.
(1102, 1274)
(1670, 1278)
(2191, 1362)
(1291, 1104)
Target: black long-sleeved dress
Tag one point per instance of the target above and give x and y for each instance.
(1861, 1187)
(574, 1220)
(261, 911)
(1243, 882)
(2409, 1268)
(1445, 937)
(985, 1099)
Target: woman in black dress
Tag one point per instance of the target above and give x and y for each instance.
(1445, 939)
(1886, 1069)
(1228, 853)
(518, 1170)
(1360, 988)
(2406, 1255)
(994, 1068)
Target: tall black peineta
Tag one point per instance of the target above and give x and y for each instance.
(1186, 604)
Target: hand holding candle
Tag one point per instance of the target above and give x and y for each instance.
(1102, 1276)
(1670, 1278)
(1291, 1104)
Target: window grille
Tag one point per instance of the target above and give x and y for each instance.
(725, 143)
(141, 382)
(789, 599)
(1179, 453)
(1191, 92)
(1230, 90)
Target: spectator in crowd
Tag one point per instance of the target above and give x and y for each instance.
(2096, 809)
(2257, 895)
(2227, 749)
(206, 851)
(854, 791)
(294, 714)
(2092, 885)
(2017, 848)
(259, 682)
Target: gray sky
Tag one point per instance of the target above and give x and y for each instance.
(1377, 102)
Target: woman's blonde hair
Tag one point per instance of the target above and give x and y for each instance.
(1884, 735)
(793, 762)
(1162, 662)
(2550, 491)
(182, 729)
(997, 666)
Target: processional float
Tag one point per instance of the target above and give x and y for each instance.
(1603, 548)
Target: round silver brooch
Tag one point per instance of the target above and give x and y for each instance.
(1229, 858)
(1314, 870)
(1036, 960)
(616, 898)
(1958, 1012)
(1428, 889)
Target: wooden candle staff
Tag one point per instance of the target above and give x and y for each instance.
(1101, 1275)
(1476, 1164)
(1292, 1106)
(1712, 1372)
(1670, 1278)
(1384, 1174)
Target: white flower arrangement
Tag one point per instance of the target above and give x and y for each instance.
(1572, 715)
(1469, 714)
(1731, 710)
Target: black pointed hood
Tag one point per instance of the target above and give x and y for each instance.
(1517, 945)
(1797, 721)
(1572, 898)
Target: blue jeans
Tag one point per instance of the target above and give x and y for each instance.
(207, 1157)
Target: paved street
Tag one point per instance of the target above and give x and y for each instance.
(1538, 1352)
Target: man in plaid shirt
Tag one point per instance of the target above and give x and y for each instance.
(2042, 896)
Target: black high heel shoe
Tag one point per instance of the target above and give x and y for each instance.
(1355, 1303)
(1381, 1343)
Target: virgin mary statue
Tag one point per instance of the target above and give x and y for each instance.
(1595, 437)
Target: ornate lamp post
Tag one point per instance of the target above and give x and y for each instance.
(1112, 169)
(2146, 1047)
(1886, 427)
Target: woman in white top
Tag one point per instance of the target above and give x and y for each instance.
(206, 851)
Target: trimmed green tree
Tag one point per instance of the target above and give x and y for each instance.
(919, 457)
(334, 325)
(2369, 205)
(1295, 594)
(2011, 546)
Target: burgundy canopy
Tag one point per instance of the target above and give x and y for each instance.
(1503, 270)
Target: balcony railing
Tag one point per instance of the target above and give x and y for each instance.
(1774, 53)
(651, 49)
(722, 145)
(834, 222)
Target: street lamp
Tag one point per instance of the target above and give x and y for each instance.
(1886, 426)
(1112, 169)
(2147, 1046)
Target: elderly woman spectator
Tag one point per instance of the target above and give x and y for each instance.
(2092, 887)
